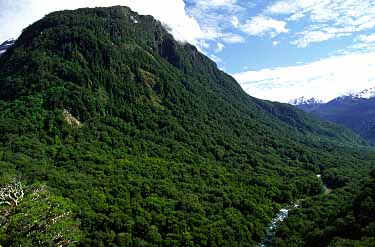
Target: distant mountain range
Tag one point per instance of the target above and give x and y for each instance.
(306, 104)
(6, 45)
(355, 111)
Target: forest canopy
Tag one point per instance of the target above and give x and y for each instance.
(145, 142)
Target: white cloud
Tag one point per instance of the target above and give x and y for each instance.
(367, 38)
(362, 43)
(204, 45)
(217, 18)
(232, 38)
(325, 79)
(184, 27)
(296, 17)
(283, 7)
(216, 58)
(219, 47)
(359, 47)
(217, 3)
(308, 37)
(16, 15)
(325, 19)
(275, 43)
(235, 22)
(261, 25)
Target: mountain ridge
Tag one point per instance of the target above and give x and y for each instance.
(353, 111)
(170, 150)
(305, 104)
(305, 101)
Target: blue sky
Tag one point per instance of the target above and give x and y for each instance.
(280, 33)
(276, 49)
(291, 48)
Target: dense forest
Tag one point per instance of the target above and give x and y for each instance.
(343, 218)
(114, 134)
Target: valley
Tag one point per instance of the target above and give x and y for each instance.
(145, 142)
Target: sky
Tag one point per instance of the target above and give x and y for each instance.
(276, 49)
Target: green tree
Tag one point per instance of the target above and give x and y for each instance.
(32, 216)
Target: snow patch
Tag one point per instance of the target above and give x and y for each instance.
(365, 94)
(305, 101)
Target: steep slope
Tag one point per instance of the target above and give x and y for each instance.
(355, 111)
(154, 143)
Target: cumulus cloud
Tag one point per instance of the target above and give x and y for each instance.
(326, 79)
(16, 15)
(261, 25)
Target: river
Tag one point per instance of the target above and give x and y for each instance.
(281, 216)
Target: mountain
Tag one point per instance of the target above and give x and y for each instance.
(149, 142)
(6, 45)
(305, 104)
(365, 94)
(355, 111)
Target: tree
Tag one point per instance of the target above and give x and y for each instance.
(32, 216)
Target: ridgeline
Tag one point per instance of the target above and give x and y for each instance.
(151, 143)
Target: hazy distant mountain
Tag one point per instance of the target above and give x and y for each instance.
(355, 111)
(6, 45)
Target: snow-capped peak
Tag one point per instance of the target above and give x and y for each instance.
(365, 94)
(305, 101)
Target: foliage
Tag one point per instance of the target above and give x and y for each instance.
(344, 218)
(171, 151)
(35, 217)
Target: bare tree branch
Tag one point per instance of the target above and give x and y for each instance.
(12, 194)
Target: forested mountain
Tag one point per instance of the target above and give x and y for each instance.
(354, 111)
(147, 143)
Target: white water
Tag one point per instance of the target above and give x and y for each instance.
(271, 231)
(281, 216)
